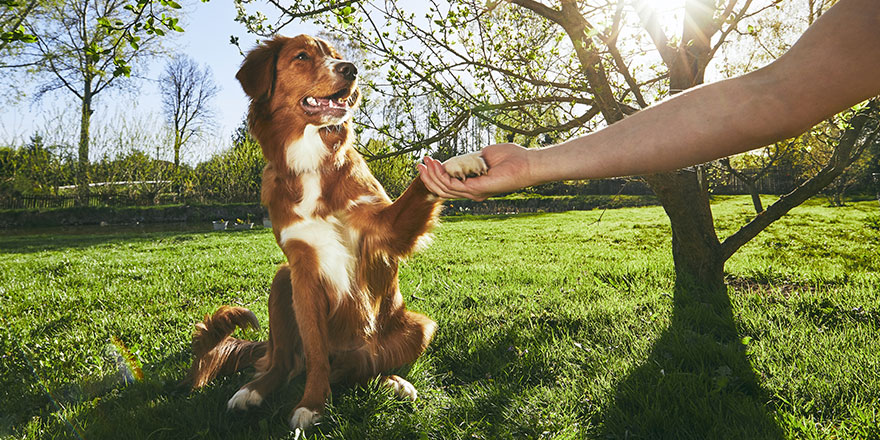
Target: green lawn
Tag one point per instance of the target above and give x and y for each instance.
(551, 326)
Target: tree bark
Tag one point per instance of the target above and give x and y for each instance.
(82, 169)
(696, 252)
(756, 198)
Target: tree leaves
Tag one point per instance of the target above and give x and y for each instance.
(19, 34)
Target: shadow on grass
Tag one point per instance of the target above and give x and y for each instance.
(453, 218)
(158, 408)
(697, 383)
(65, 239)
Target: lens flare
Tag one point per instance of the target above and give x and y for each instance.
(126, 362)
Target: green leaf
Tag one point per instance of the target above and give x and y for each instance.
(19, 34)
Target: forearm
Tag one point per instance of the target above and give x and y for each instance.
(699, 125)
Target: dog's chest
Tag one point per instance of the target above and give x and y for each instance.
(335, 243)
(311, 193)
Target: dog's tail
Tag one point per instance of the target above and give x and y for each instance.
(215, 353)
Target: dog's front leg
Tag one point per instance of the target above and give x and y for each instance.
(311, 308)
(408, 218)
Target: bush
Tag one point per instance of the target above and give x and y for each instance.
(234, 175)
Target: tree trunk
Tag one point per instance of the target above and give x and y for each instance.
(696, 250)
(82, 169)
(699, 266)
(177, 188)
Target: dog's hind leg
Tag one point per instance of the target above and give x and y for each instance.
(283, 358)
(404, 337)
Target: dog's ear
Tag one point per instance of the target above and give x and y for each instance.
(257, 72)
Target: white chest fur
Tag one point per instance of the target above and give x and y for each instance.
(311, 192)
(306, 154)
(334, 245)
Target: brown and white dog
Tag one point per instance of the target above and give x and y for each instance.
(335, 310)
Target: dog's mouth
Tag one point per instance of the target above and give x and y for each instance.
(337, 104)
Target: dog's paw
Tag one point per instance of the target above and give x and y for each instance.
(401, 388)
(303, 418)
(466, 165)
(244, 399)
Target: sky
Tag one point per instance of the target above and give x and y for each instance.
(208, 28)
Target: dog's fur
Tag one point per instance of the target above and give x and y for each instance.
(335, 310)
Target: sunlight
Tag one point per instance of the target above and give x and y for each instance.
(663, 6)
(668, 11)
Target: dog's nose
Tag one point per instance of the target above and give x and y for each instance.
(347, 70)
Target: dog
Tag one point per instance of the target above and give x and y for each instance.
(335, 310)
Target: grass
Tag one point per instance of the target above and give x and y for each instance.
(551, 326)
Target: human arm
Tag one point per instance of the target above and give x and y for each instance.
(834, 65)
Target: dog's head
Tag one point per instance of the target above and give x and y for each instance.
(304, 75)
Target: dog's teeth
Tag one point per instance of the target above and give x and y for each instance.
(311, 101)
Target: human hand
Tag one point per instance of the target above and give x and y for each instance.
(509, 169)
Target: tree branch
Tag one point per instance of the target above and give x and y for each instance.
(611, 42)
(545, 11)
(648, 17)
(450, 129)
(863, 131)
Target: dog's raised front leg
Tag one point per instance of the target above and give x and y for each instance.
(409, 218)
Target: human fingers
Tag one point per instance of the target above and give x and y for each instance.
(431, 182)
(440, 181)
(450, 185)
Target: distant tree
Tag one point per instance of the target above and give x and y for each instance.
(133, 148)
(394, 172)
(132, 177)
(87, 46)
(34, 168)
(187, 90)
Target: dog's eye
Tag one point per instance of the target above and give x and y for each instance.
(302, 56)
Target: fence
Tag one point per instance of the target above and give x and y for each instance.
(92, 200)
(779, 181)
